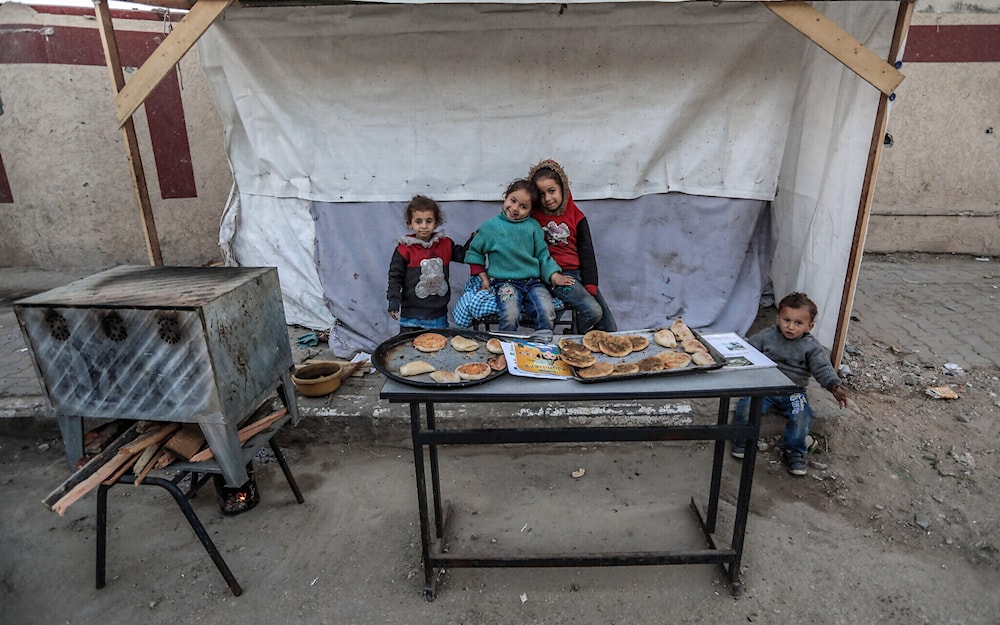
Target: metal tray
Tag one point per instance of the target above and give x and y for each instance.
(395, 352)
(652, 350)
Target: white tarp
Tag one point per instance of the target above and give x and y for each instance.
(367, 105)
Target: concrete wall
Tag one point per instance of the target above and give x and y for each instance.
(67, 200)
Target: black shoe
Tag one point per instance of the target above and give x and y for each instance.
(795, 462)
(739, 450)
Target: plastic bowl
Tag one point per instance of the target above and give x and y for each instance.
(317, 379)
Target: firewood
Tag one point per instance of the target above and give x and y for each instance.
(121, 470)
(93, 465)
(150, 437)
(245, 434)
(166, 457)
(187, 441)
(144, 471)
(104, 472)
(145, 458)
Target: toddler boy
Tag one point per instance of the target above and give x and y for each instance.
(798, 355)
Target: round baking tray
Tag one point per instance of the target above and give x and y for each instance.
(395, 352)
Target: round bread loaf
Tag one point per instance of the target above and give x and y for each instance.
(430, 342)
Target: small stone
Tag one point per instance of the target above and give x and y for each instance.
(923, 521)
(911, 380)
(818, 465)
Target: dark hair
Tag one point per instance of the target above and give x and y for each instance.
(424, 203)
(799, 300)
(547, 172)
(523, 184)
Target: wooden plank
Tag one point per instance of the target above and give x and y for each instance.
(150, 437)
(244, 434)
(187, 441)
(184, 35)
(110, 452)
(139, 185)
(875, 148)
(93, 481)
(828, 35)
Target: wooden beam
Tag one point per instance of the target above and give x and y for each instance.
(113, 58)
(184, 35)
(867, 193)
(828, 35)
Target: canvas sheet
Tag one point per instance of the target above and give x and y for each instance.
(371, 103)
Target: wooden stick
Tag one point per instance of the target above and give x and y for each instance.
(84, 487)
(110, 452)
(244, 434)
(150, 437)
(144, 471)
(121, 470)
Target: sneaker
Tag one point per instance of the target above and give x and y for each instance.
(795, 462)
(738, 451)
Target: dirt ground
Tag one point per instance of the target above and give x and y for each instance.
(897, 522)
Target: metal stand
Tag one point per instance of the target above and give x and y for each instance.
(182, 500)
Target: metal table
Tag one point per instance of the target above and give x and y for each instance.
(721, 384)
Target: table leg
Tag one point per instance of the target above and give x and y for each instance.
(743, 498)
(432, 452)
(717, 460)
(425, 532)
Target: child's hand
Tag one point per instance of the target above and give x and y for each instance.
(561, 279)
(840, 394)
(484, 282)
(394, 314)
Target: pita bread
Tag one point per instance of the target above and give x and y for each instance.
(625, 368)
(597, 370)
(592, 339)
(702, 359)
(664, 338)
(569, 345)
(415, 367)
(473, 370)
(680, 330)
(493, 346)
(693, 345)
(498, 362)
(638, 341)
(461, 344)
(675, 360)
(445, 377)
(616, 345)
(650, 363)
(578, 359)
(430, 342)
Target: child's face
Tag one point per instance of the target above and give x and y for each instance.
(551, 192)
(794, 322)
(517, 205)
(422, 223)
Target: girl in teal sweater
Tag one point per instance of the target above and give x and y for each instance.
(509, 253)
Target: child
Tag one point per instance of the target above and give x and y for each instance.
(568, 236)
(418, 290)
(519, 264)
(798, 355)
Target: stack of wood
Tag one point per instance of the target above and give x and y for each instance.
(143, 447)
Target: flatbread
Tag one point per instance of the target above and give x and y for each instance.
(578, 359)
(702, 359)
(415, 367)
(664, 338)
(493, 346)
(625, 368)
(473, 370)
(615, 345)
(430, 342)
(592, 340)
(675, 360)
(693, 345)
(650, 363)
(498, 362)
(461, 344)
(569, 345)
(639, 342)
(597, 370)
(445, 377)
(680, 330)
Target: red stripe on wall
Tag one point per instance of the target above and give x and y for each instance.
(961, 43)
(59, 45)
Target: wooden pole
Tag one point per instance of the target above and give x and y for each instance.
(113, 58)
(867, 192)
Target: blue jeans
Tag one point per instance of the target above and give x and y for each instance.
(513, 296)
(409, 324)
(794, 407)
(591, 312)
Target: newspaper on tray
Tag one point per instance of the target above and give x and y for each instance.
(535, 360)
(739, 354)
